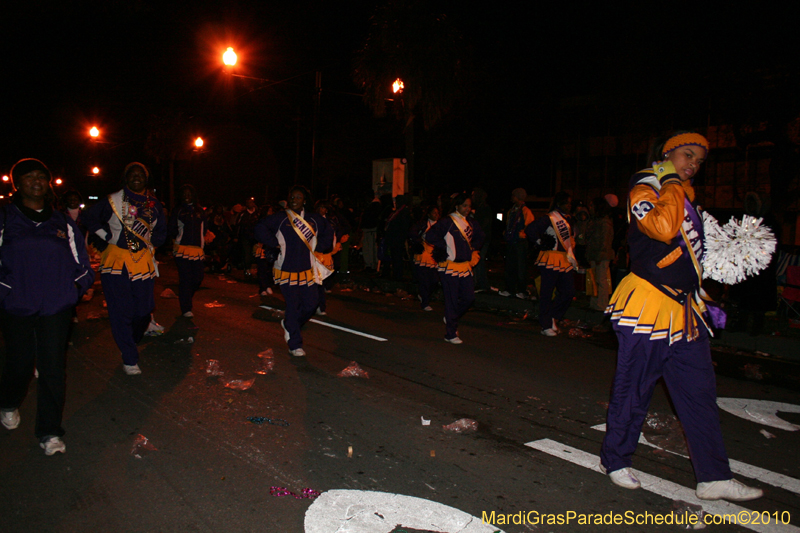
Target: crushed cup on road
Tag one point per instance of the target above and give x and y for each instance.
(212, 368)
(425, 422)
(266, 365)
(240, 384)
(141, 444)
(463, 425)
(353, 371)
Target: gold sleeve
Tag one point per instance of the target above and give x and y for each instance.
(658, 216)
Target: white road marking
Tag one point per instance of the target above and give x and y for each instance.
(655, 484)
(360, 511)
(761, 411)
(334, 326)
(737, 467)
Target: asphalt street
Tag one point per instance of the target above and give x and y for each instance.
(360, 442)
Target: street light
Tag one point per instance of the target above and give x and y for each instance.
(397, 86)
(229, 57)
(94, 132)
(59, 181)
(95, 171)
(5, 178)
(198, 143)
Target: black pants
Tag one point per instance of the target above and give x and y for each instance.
(517, 267)
(39, 341)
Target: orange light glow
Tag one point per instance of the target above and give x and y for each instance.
(95, 170)
(5, 178)
(59, 181)
(229, 57)
(397, 86)
(199, 142)
(94, 132)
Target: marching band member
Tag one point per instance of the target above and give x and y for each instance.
(426, 268)
(45, 270)
(555, 238)
(187, 226)
(658, 316)
(456, 240)
(127, 226)
(296, 236)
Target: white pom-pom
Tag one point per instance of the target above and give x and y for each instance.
(736, 250)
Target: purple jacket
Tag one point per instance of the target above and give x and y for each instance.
(44, 267)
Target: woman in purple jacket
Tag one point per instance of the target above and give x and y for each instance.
(44, 271)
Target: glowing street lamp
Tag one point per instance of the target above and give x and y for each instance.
(59, 181)
(5, 178)
(95, 171)
(229, 57)
(198, 143)
(397, 86)
(94, 132)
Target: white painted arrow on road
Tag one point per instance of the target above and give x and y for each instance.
(761, 411)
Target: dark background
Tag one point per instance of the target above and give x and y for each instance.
(537, 74)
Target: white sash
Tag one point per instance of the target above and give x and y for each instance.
(561, 228)
(463, 226)
(307, 234)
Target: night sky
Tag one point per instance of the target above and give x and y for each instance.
(126, 65)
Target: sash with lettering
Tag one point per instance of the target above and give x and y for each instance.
(466, 231)
(561, 228)
(307, 234)
(137, 227)
(693, 244)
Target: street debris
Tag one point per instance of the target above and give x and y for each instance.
(187, 340)
(762, 354)
(88, 295)
(577, 333)
(349, 451)
(168, 293)
(767, 434)
(274, 421)
(353, 371)
(240, 384)
(283, 491)
(212, 368)
(266, 354)
(753, 371)
(666, 432)
(463, 425)
(682, 510)
(425, 422)
(140, 445)
(97, 315)
(232, 281)
(214, 304)
(266, 363)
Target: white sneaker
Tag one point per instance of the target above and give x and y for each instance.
(298, 352)
(132, 370)
(9, 419)
(154, 329)
(320, 312)
(188, 314)
(454, 340)
(549, 332)
(504, 293)
(427, 308)
(286, 335)
(444, 319)
(522, 295)
(53, 445)
(729, 489)
(624, 478)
